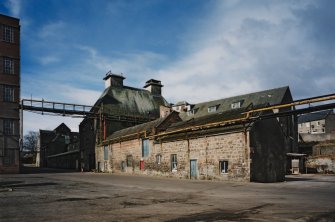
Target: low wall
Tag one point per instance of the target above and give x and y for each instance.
(322, 164)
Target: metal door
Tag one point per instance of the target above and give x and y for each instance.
(193, 166)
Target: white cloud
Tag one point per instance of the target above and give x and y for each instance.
(14, 7)
(58, 93)
(52, 30)
(245, 47)
(35, 122)
(46, 60)
(135, 66)
(241, 47)
(78, 96)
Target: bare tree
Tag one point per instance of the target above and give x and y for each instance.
(30, 141)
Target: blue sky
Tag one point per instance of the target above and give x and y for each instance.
(200, 50)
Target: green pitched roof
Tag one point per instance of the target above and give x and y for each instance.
(271, 97)
(130, 101)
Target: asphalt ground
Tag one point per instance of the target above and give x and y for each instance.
(61, 195)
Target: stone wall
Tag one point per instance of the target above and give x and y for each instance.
(208, 151)
(322, 164)
(319, 137)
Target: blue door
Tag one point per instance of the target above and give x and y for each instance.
(193, 173)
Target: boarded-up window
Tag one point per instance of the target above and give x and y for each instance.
(145, 148)
(129, 161)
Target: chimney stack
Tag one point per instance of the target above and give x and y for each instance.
(154, 86)
(113, 80)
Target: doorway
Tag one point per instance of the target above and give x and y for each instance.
(193, 169)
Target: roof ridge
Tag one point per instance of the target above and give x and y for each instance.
(252, 93)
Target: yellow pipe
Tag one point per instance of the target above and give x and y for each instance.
(308, 101)
(225, 122)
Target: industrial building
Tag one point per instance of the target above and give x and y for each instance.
(210, 140)
(118, 107)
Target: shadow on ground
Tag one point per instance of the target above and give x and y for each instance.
(220, 214)
(31, 169)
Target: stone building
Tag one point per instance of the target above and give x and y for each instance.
(317, 140)
(215, 141)
(9, 94)
(317, 126)
(119, 107)
(58, 148)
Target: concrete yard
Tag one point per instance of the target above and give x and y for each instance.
(72, 196)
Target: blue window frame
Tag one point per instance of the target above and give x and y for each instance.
(145, 148)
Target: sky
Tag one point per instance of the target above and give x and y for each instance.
(200, 49)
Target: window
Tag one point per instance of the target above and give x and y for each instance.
(145, 148)
(236, 105)
(223, 166)
(8, 65)
(9, 158)
(8, 33)
(8, 94)
(105, 152)
(8, 127)
(2, 146)
(212, 109)
(192, 112)
(318, 123)
(174, 162)
(158, 158)
(67, 139)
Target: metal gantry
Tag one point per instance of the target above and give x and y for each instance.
(65, 109)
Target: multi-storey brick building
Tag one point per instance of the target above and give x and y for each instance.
(9, 94)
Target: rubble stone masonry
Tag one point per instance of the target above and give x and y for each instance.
(208, 151)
